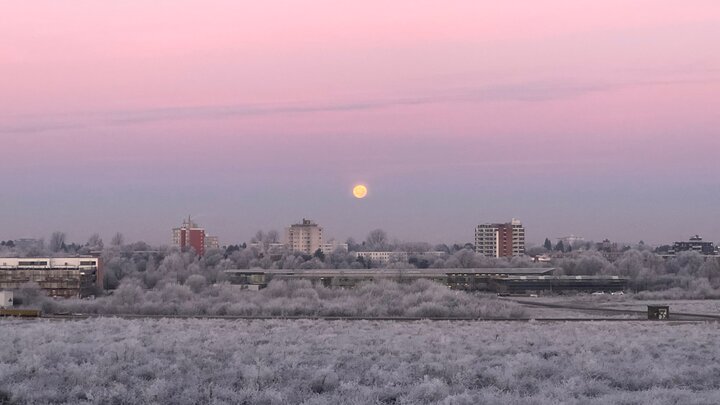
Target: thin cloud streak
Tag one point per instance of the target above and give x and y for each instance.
(534, 91)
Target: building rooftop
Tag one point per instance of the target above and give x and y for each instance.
(397, 272)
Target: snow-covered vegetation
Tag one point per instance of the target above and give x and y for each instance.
(172, 361)
(421, 298)
(688, 275)
(165, 280)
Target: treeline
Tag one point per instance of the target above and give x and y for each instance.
(687, 275)
(151, 265)
(422, 298)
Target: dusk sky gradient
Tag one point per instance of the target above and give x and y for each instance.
(599, 119)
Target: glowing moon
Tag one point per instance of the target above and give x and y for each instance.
(360, 191)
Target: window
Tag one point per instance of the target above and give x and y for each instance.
(32, 263)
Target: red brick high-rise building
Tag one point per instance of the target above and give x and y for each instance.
(500, 240)
(190, 235)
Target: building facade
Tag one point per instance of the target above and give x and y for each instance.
(500, 240)
(211, 242)
(190, 235)
(57, 276)
(500, 280)
(694, 244)
(332, 246)
(306, 237)
(383, 257)
(570, 240)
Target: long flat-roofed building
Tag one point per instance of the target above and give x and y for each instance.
(461, 279)
(383, 257)
(57, 276)
(332, 246)
(527, 284)
(510, 280)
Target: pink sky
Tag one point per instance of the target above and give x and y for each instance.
(478, 99)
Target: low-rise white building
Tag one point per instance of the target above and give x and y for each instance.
(383, 257)
(264, 247)
(332, 246)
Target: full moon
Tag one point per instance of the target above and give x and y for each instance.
(360, 191)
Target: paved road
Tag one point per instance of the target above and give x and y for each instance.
(351, 318)
(637, 315)
(681, 316)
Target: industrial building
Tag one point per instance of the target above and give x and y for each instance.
(553, 284)
(57, 276)
(513, 280)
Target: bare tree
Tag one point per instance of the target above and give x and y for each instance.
(57, 241)
(377, 239)
(95, 242)
(273, 236)
(118, 239)
(259, 237)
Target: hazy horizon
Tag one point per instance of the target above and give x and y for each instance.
(585, 118)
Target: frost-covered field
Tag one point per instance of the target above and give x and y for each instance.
(629, 301)
(115, 361)
(710, 307)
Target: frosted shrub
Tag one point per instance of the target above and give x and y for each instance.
(196, 283)
(429, 391)
(101, 361)
(421, 298)
(324, 381)
(430, 310)
(128, 294)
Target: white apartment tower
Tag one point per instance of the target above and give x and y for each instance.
(500, 240)
(304, 237)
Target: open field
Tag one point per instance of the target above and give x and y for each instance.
(626, 302)
(176, 361)
(710, 307)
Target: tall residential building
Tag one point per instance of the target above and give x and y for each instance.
(500, 240)
(190, 235)
(304, 237)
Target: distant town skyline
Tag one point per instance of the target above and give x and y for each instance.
(173, 239)
(597, 119)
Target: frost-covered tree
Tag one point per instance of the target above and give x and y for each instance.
(377, 240)
(117, 240)
(95, 242)
(57, 241)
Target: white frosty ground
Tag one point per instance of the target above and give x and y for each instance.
(114, 361)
